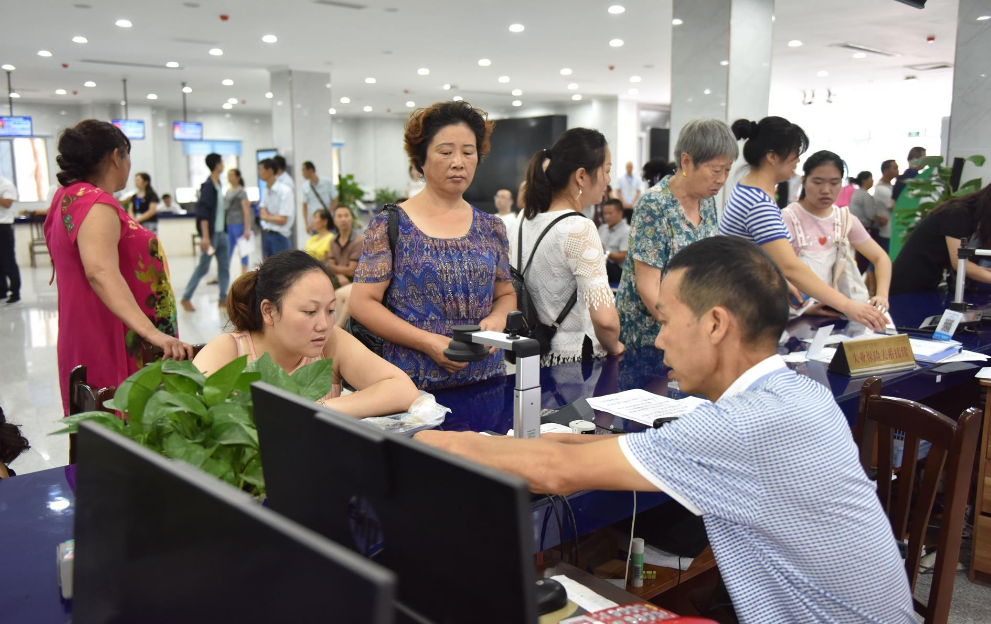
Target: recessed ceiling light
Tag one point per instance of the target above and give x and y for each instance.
(14, 95)
(423, 71)
(573, 85)
(616, 9)
(187, 89)
(822, 74)
(228, 106)
(345, 100)
(676, 22)
(124, 23)
(794, 43)
(633, 91)
(516, 28)
(565, 72)
(216, 52)
(517, 103)
(635, 79)
(616, 43)
(44, 53)
(270, 39)
(517, 92)
(369, 81)
(503, 79)
(484, 62)
(724, 63)
(332, 111)
(269, 94)
(8, 67)
(59, 91)
(172, 64)
(232, 100)
(367, 109)
(80, 39)
(152, 96)
(859, 55)
(447, 87)
(576, 97)
(227, 82)
(89, 83)
(410, 104)
(457, 98)
(984, 18)
(707, 91)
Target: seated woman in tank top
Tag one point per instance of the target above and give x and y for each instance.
(286, 308)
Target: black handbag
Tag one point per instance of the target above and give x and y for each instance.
(364, 335)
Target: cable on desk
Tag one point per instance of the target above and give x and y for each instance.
(574, 525)
(560, 527)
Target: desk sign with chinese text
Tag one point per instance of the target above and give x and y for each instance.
(855, 358)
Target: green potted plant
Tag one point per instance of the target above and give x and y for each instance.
(933, 190)
(173, 409)
(385, 196)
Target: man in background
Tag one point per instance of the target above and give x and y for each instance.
(277, 211)
(10, 274)
(910, 172)
(504, 204)
(168, 205)
(212, 224)
(615, 236)
(628, 190)
(282, 175)
(318, 192)
(884, 198)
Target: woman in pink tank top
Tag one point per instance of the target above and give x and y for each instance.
(286, 308)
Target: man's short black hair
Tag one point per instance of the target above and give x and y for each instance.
(612, 201)
(309, 165)
(270, 164)
(916, 153)
(280, 162)
(887, 164)
(166, 196)
(736, 274)
(212, 160)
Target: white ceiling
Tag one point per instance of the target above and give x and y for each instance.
(390, 39)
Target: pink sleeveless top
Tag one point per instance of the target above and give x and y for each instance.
(245, 346)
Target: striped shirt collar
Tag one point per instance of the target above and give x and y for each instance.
(754, 374)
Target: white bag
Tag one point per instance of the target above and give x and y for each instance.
(846, 277)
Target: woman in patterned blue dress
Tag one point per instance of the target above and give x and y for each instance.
(451, 264)
(672, 214)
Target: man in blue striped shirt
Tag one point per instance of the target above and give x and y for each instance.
(795, 525)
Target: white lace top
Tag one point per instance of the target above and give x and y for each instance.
(571, 254)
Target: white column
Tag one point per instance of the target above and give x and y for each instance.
(970, 114)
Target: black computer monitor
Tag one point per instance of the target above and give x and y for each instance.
(458, 534)
(160, 541)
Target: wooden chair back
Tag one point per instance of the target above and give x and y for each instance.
(84, 398)
(38, 245)
(953, 446)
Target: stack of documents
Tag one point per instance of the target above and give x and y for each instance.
(932, 351)
(643, 407)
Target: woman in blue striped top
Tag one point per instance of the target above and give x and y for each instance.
(772, 151)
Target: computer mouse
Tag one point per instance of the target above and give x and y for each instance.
(551, 596)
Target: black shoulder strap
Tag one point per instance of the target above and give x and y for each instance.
(567, 308)
(547, 229)
(393, 227)
(319, 199)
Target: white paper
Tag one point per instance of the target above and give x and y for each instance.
(822, 334)
(984, 373)
(642, 406)
(825, 355)
(244, 247)
(547, 428)
(664, 559)
(934, 350)
(965, 356)
(583, 596)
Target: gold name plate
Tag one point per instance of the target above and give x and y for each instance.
(855, 358)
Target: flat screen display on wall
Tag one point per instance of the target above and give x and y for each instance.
(15, 127)
(133, 129)
(187, 131)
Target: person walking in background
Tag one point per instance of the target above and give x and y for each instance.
(656, 170)
(211, 217)
(865, 209)
(910, 172)
(675, 212)
(884, 199)
(239, 215)
(276, 212)
(615, 236)
(10, 274)
(114, 293)
(628, 191)
(282, 174)
(846, 193)
(504, 204)
(318, 192)
(144, 203)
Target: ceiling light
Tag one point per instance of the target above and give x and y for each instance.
(516, 28)
(503, 78)
(14, 95)
(517, 103)
(458, 98)
(123, 103)
(447, 87)
(794, 43)
(724, 63)
(345, 100)
(410, 104)
(616, 43)
(332, 111)
(228, 106)
(576, 97)
(152, 96)
(44, 53)
(269, 94)
(270, 38)
(676, 22)
(484, 62)
(635, 79)
(227, 82)
(565, 72)
(59, 91)
(369, 81)
(423, 71)
(984, 18)
(124, 23)
(216, 52)
(8, 67)
(707, 91)
(187, 89)
(89, 83)
(172, 64)
(822, 74)
(79, 39)
(616, 9)
(573, 85)
(633, 91)
(517, 92)
(232, 100)
(860, 55)
(367, 109)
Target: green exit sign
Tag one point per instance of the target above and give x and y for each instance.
(913, 134)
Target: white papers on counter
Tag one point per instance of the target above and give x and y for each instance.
(642, 406)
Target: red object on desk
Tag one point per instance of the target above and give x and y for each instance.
(642, 612)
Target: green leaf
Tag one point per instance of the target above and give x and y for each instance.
(927, 161)
(178, 384)
(313, 381)
(235, 434)
(977, 159)
(220, 384)
(968, 187)
(243, 383)
(221, 470)
(177, 447)
(253, 474)
(184, 368)
(272, 373)
(103, 418)
(137, 389)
